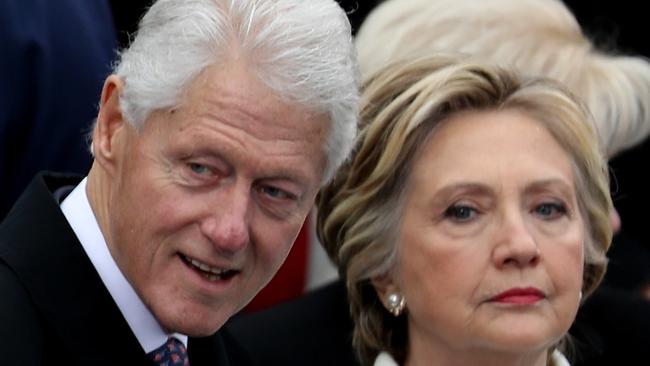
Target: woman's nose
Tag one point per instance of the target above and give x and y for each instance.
(515, 243)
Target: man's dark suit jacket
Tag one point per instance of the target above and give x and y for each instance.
(314, 330)
(54, 308)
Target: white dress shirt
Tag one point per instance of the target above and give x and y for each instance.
(81, 218)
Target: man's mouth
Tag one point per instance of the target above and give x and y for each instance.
(207, 271)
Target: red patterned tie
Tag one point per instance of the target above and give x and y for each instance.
(173, 352)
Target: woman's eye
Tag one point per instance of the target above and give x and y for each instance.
(460, 213)
(549, 211)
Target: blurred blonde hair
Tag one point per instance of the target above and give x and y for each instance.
(537, 37)
(359, 212)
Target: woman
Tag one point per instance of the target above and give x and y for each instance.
(542, 38)
(472, 218)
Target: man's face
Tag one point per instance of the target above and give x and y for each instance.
(206, 200)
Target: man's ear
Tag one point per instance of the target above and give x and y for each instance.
(110, 126)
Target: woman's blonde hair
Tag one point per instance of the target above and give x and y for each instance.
(536, 37)
(359, 212)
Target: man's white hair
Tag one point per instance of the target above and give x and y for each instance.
(300, 49)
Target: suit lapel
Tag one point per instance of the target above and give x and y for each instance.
(207, 351)
(222, 349)
(47, 257)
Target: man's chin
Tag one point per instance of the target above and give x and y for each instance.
(199, 330)
(193, 326)
(198, 333)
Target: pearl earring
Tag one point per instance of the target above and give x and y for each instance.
(396, 304)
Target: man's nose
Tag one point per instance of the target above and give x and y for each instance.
(516, 245)
(227, 225)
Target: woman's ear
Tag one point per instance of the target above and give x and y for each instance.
(385, 286)
(110, 124)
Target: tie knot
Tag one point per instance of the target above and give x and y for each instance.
(173, 352)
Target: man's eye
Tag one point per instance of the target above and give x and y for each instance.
(548, 211)
(276, 193)
(199, 169)
(460, 213)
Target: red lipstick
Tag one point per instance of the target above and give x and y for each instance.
(519, 296)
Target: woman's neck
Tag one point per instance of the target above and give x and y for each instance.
(426, 354)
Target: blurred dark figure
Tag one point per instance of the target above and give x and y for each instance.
(617, 317)
(55, 56)
(622, 26)
(127, 14)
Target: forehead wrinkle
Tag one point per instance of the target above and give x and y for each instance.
(243, 149)
(230, 133)
(230, 106)
(248, 138)
(234, 111)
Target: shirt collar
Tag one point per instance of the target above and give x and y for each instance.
(80, 216)
(384, 359)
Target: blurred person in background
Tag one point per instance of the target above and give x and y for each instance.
(55, 57)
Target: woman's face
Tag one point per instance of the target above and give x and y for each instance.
(491, 241)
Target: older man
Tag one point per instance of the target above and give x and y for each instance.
(221, 122)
